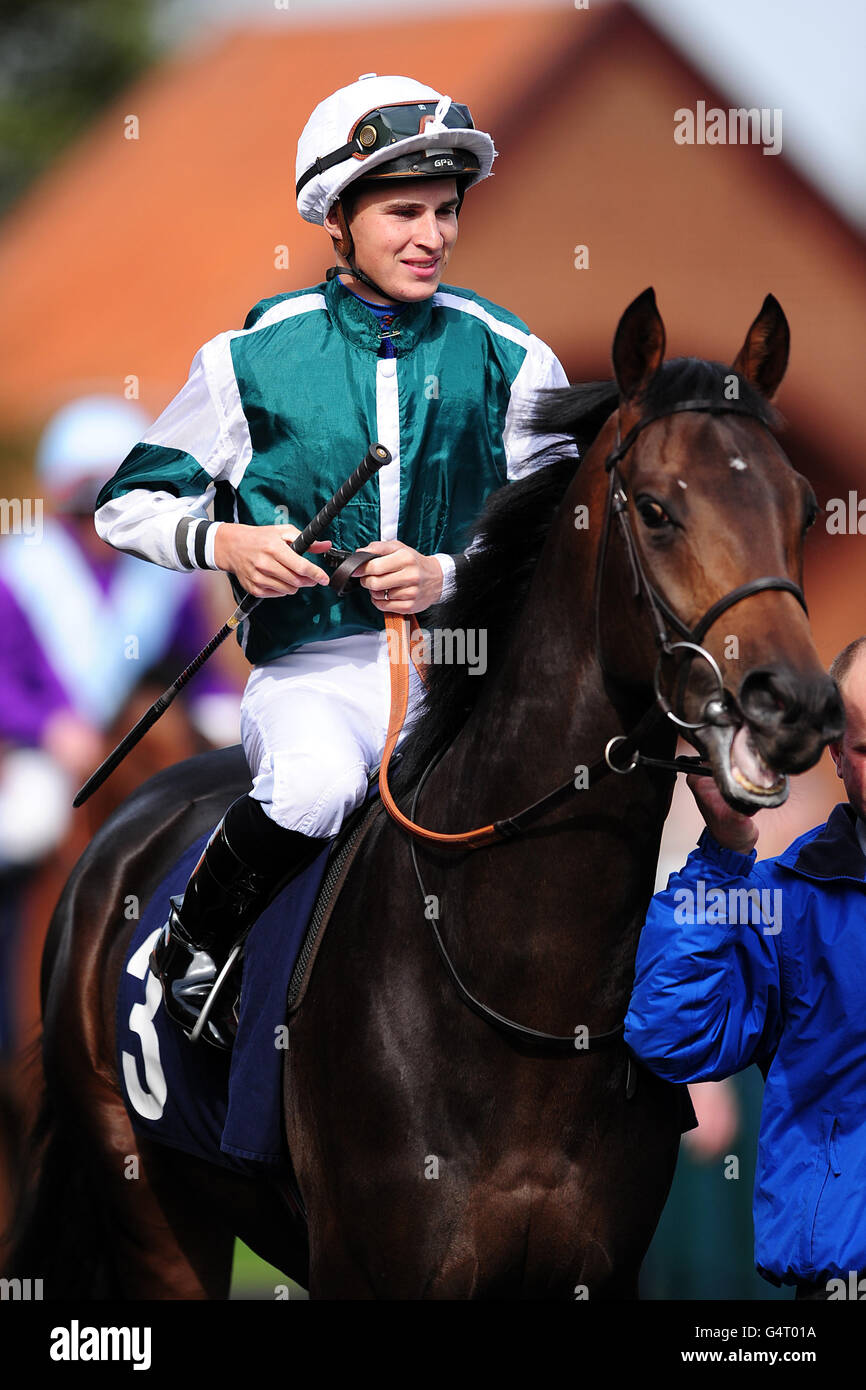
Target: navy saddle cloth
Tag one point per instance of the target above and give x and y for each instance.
(224, 1107)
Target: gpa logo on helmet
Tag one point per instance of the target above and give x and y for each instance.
(443, 163)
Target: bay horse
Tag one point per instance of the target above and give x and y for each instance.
(437, 1153)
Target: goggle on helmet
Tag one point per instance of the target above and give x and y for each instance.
(387, 125)
(406, 134)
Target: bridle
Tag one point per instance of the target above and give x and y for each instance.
(717, 711)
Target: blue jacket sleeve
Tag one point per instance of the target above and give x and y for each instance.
(707, 991)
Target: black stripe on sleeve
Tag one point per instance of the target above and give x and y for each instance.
(181, 540)
(200, 543)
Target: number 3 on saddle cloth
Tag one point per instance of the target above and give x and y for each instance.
(225, 1106)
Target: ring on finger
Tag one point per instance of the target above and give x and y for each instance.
(385, 595)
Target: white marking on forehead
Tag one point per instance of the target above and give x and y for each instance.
(739, 465)
(681, 483)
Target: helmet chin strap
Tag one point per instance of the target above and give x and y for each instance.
(334, 270)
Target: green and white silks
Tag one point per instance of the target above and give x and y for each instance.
(275, 416)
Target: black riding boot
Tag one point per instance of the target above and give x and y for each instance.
(229, 887)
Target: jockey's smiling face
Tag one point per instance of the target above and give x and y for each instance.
(404, 233)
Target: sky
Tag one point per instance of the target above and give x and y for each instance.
(801, 56)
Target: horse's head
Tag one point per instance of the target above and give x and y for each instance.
(713, 517)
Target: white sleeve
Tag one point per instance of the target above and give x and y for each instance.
(449, 574)
(541, 370)
(175, 532)
(156, 506)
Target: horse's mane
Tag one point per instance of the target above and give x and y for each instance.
(511, 531)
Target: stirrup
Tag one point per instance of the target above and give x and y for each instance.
(196, 957)
(212, 999)
(189, 976)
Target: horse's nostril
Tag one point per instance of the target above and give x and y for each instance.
(766, 702)
(777, 701)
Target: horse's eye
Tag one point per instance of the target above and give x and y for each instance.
(812, 510)
(652, 513)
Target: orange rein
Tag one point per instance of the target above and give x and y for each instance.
(397, 627)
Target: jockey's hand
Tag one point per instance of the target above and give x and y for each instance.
(262, 559)
(411, 580)
(730, 828)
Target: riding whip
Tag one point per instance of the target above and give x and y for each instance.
(376, 457)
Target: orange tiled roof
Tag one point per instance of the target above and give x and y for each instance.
(130, 253)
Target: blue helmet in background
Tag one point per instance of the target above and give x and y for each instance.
(83, 444)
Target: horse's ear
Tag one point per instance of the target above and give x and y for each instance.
(764, 355)
(639, 345)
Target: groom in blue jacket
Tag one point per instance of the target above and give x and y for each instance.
(743, 961)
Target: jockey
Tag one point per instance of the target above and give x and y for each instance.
(271, 421)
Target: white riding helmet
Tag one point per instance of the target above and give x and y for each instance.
(369, 128)
(84, 444)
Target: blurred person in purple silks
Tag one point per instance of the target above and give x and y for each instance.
(81, 625)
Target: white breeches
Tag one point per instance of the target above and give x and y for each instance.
(313, 727)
